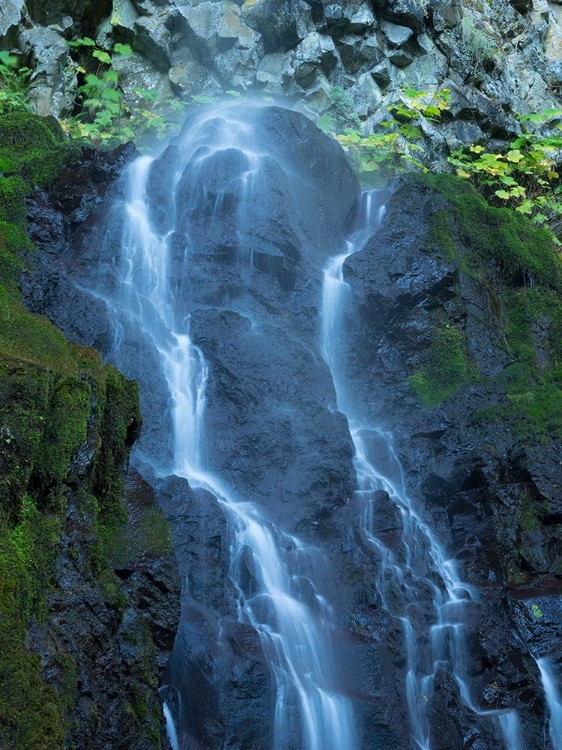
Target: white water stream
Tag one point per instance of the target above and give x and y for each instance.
(417, 570)
(418, 586)
(297, 637)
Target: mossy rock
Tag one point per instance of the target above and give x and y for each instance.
(34, 147)
(31, 712)
(47, 416)
(478, 234)
(12, 201)
(446, 368)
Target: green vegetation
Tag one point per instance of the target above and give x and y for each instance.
(55, 398)
(525, 253)
(447, 367)
(147, 535)
(104, 118)
(524, 176)
(380, 156)
(14, 85)
(480, 46)
(36, 150)
(537, 612)
(480, 238)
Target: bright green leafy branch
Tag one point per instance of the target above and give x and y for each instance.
(524, 176)
(14, 85)
(397, 146)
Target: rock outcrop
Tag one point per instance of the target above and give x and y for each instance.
(497, 60)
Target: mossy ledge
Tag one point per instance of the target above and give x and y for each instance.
(67, 423)
(521, 268)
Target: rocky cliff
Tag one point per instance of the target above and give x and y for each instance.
(455, 347)
(90, 592)
(498, 58)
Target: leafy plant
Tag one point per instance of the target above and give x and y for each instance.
(537, 612)
(104, 117)
(396, 148)
(14, 85)
(524, 176)
(480, 45)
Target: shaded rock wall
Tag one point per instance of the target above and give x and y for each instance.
(483, 465)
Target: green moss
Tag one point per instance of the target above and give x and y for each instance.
(111, 589)
(529, 513)
(439, 237)
(120, 425)
(34, 147)
(55, 397)
(30, 710)
(12, 200)
(500, 235)
(528, 312)
(13, 245)
(146, 534)
(447, 367)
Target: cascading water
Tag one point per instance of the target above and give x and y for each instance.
(415, 571)
(553, 701)
(182, 334)
(297, 636)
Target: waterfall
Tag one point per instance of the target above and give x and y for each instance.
(151, 297)
(553, 701)
(185, 311)
(417, 569)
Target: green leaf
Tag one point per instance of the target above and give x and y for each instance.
(202, 99)
(102, 56)
(124, 50)
(9, 60)
(535, 117)
(111, 76)
(83, 42)
(93, 103)
(539, 219)
(233, 93)
(503, 194)
(526, 207)
(94, 81)
(515, 156)
(325, 123)
(111, 95)
(147, 94)
(432, 112)
(413, 94)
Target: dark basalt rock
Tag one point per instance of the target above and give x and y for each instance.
(468, 475)
(279, 440)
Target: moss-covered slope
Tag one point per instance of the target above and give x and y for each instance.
(67, 423)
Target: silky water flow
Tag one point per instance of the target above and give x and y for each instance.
(298, 637)
(407, 574)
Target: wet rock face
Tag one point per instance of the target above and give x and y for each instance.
(253, 290)
(488, 494)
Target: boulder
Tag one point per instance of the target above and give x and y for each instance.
(10, 16)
